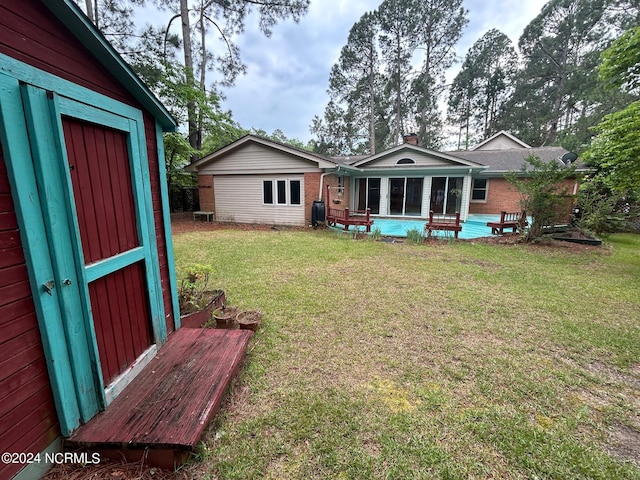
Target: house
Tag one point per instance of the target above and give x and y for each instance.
(87, 282)
(255, 180)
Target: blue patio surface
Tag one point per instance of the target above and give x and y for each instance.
(474, 227)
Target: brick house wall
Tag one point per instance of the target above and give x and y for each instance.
(311, 190)
(503, 196)
(205, 191)
(500, 196)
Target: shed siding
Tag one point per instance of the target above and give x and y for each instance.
(258, 159)
(238, 198)
(158, 219)
(420, 159)
(28, 420)
(34, 36)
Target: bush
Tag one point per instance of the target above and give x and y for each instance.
(543, 197)
(415, 235)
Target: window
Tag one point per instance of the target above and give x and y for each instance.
(406, 161)
(294, 187)
(267, 191)
(479, 192)
(282, 191)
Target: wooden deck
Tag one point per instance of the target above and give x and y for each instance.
(163, 413)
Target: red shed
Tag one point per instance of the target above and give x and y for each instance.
(87, 285)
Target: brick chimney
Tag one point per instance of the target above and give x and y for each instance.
(411, 138)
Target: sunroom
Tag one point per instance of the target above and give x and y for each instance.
(411, 181)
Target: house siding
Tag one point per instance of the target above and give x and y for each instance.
(28, 421)
(252, 158)
(422, 160)
(238, 198)
(500, 143)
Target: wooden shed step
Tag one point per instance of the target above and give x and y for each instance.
(162, 414)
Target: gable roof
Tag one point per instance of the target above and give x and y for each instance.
(81, 27)
(486, 144)
(456, 161)
(321, 160)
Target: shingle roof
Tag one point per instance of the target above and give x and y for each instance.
(350, 159)
(500, 161)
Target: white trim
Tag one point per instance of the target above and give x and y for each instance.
(455, 161)
(287, 191)
(486, 190)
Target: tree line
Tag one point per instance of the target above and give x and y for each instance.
(389, 79)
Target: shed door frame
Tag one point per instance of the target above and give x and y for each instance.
(31, 131)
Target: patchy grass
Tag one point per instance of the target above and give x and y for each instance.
(457, 360)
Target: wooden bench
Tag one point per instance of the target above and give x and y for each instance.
(444, 222)
(346, 217)
(514, 220)
(208, 216)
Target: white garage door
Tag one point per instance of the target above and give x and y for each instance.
(242, 199)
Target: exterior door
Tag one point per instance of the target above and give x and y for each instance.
(446, 194)
(369, 194)
(396, 196)
(100, 170)
(85, 203)
(405, 196)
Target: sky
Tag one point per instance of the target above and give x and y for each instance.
(287, 76)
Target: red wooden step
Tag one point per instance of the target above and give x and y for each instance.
(162, 414)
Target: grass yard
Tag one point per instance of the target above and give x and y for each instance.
(453, 360)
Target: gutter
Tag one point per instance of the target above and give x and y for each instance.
(336, 170)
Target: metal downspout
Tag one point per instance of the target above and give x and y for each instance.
(322, 181)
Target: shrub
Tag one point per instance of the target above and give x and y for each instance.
(415, 235)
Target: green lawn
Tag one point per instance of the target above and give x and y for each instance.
(453, 360)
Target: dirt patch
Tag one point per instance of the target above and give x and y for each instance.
(624, 443)
(182, 222)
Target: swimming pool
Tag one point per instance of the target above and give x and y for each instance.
(474, 227)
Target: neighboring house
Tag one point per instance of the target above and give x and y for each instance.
(87, 283)
(255, 180)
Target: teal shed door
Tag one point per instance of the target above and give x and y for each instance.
(82, 189)
(100, 170)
